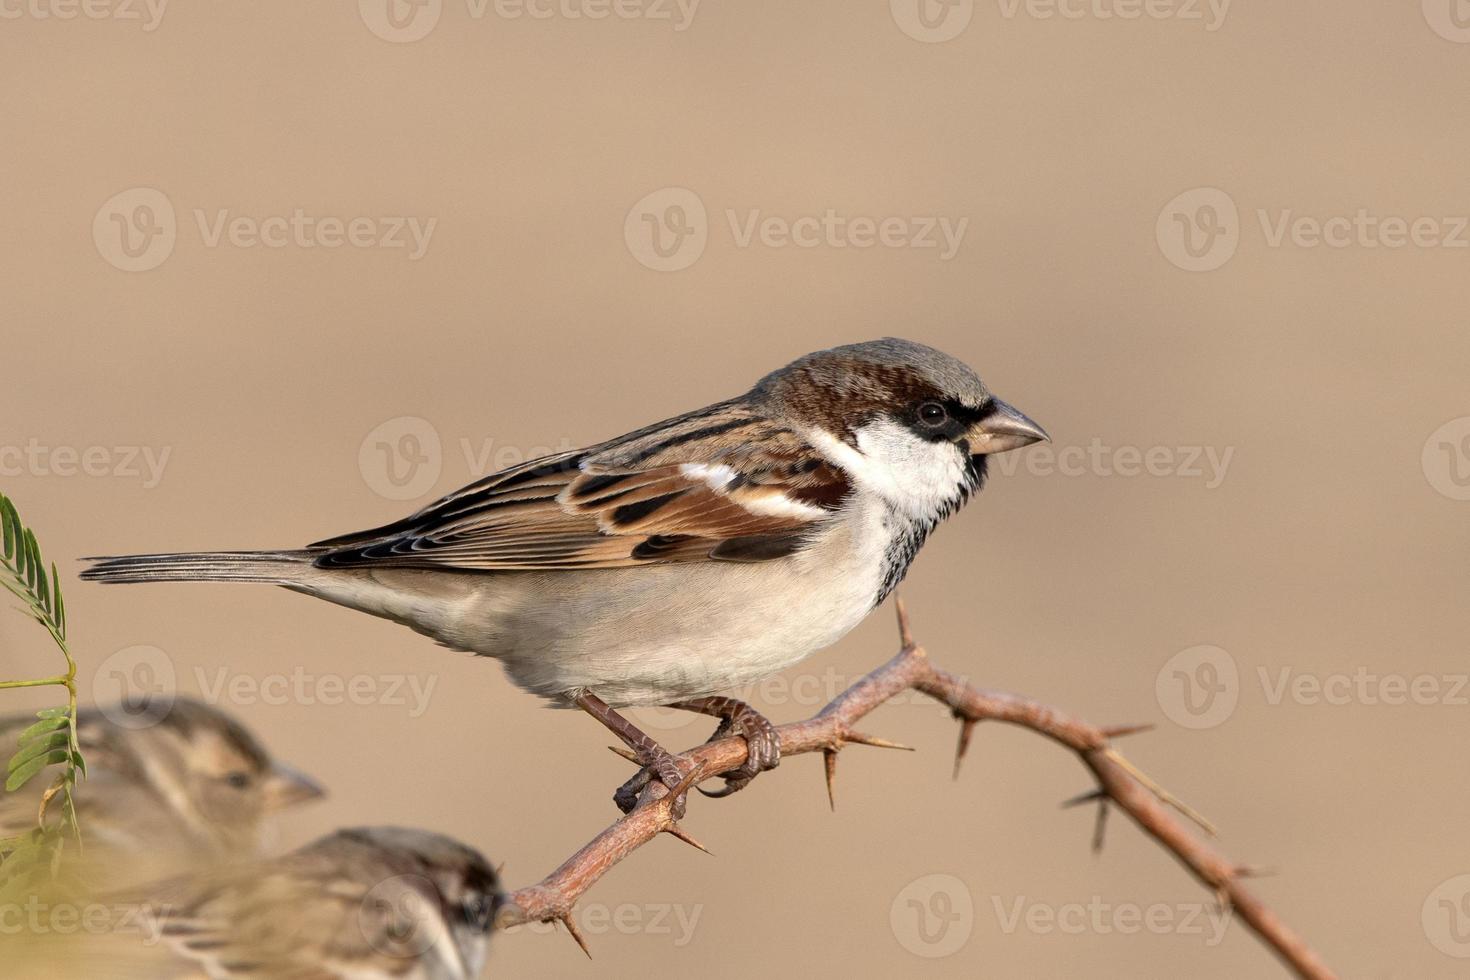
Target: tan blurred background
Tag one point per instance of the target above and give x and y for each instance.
(1326, 545)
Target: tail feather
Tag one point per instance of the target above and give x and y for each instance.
(276, 567)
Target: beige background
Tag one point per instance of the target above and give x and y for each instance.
(1325, 551)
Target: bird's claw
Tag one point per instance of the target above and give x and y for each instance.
(763, 749)
(671, 772)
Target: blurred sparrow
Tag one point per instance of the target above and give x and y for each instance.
(192, 784)
(686, 558)
(364, 904)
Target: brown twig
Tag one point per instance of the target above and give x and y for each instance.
(1119, 784)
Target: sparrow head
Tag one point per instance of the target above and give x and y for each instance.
(212, 775)
(908, 421)
(373, 903)
(435, 899)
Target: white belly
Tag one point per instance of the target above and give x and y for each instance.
(643, 636)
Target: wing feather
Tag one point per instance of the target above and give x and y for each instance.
(724, 484)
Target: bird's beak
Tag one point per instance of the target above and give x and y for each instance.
(287, 787)
(1004, 428)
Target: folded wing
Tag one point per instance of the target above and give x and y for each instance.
(726, 485)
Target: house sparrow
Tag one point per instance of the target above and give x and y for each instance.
(689, 557)
(364, 904)
(194, 784)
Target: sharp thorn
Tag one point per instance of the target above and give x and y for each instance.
(1100, 828)
(676, 831)
(1091, 796)
(1122, 731)
(877, 743)
(1222, 899)
(905, 629)
(967, 728)
(618, 750)
(1164, 795)
(829, 761)
(694, 776)
(1250, 871)
(571, 925)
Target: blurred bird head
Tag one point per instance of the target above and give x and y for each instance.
(371, 903)
(208, 771)
(187, 782)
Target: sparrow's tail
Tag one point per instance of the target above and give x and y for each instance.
(275, 567)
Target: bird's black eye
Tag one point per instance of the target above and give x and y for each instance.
(933, 414)
(238, 780)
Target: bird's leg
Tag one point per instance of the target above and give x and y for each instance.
(654, 757)
(763, 741)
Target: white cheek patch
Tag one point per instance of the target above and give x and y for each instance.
(920, 477)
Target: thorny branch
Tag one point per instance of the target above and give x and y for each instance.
(1119, 784)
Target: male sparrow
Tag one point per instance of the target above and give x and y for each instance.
(689, 557)
(193, 784)
(364, 904)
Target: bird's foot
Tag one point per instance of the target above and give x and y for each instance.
(673, 772)
(676, 775)
(762, 740)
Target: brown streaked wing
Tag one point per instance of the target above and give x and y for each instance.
(725, 485)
